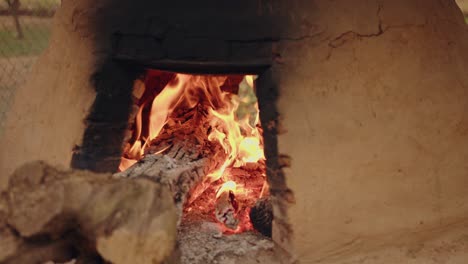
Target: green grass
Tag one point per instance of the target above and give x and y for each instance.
(36, 38)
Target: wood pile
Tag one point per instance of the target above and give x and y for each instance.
(48, 214)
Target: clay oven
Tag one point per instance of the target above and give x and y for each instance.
(362, 106)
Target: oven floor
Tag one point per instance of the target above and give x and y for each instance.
(202, 242)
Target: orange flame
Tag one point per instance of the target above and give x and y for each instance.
(165, 102)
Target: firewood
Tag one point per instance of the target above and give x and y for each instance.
(178, 168)
(120, 220)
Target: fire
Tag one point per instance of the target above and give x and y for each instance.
(165, 102)
(229, 186)
(236, 130)
(250, 149)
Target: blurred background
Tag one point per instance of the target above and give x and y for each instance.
(25, 27)
(463, 4)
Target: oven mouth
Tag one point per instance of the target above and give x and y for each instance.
(200, 135)
(110, 134)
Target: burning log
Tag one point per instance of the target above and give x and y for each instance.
(179, 168)
(227, 206)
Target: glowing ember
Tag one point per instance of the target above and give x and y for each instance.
(229, 186)
(233, 120)
(226, 205)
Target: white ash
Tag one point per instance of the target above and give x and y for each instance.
(171, 163)
(202, 243)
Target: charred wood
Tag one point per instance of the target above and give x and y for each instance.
(261, 216)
